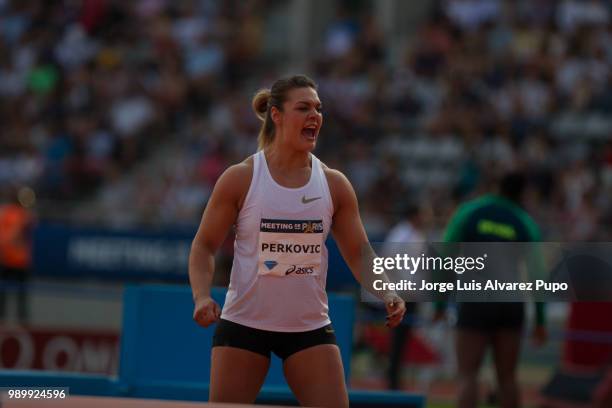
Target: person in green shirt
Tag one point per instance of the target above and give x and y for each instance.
(493, 218)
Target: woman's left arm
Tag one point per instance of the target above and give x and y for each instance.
(353, 243)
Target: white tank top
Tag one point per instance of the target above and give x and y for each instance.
(280, 259)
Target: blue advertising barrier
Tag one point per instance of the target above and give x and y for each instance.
(165, 355)
(160, 341)
(138, 254)
(61, 250)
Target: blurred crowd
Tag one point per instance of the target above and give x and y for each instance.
(88, 89)
(486, 86)
(135, 108)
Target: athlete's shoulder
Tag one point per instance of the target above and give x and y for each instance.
(336, 179)
(340, 187)
(521, 215)
(241, 169)
(533, 230)
(464, 212)
(236, 179)
(237, 173)
(333, 175)
(474, 204)
(518, 211)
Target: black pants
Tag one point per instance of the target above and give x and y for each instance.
(490, 317)
(399, 337)
(398, 340)
(14, 280)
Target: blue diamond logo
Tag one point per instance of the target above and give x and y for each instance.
(270, 264)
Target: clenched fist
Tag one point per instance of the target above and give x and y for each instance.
(396, 308)
(206, 311)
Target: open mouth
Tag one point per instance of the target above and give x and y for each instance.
(309, 133)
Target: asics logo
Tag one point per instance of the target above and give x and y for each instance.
(309, 200)
(300, 270)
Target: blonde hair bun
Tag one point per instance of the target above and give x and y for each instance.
(260, 103)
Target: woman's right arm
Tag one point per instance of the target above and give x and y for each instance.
(220, 214)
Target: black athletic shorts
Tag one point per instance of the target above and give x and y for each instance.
(264, 342)
(490, 317)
